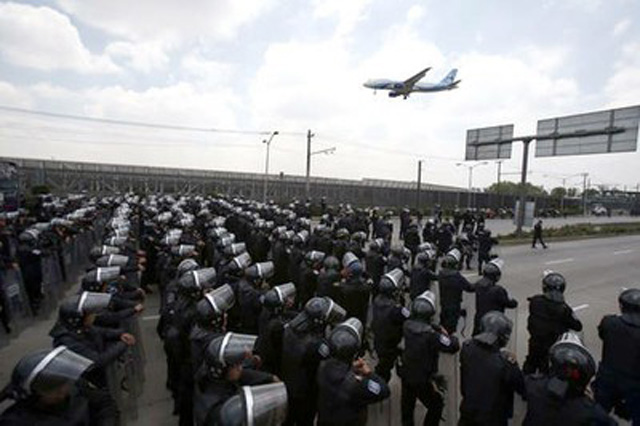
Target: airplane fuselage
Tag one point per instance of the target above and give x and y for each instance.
(405, 88)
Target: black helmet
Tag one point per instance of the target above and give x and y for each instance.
(239, 263)
(424, 258)
(260, 271)
(228, 350)
(331, 263)
(103, 250)
(376, 245)
(195, 282)
(262, 405)
(73, 309)
(325, 310)
(342, 234)
(423, 307)
(571, 362)
(553, 286)
(452, 258)
(630, 306)
(45, 370)
(187, 265)
(277, 296)
(345, 339)
(351, 263)
(235, 249)
(493, 269)
(314, 257)
(496, 329)
(113, 260)
(392, 282)
(210, 310)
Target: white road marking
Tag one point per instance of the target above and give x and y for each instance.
(556, 262)
(151, 318)
(580, 307)
(615, 253)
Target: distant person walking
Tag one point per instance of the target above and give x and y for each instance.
(537, 235)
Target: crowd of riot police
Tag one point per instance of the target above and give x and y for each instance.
(266, 318)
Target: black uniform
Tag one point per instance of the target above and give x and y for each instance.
(547, 321)
(544, 407)
(210, 394)
(452, 284)
(421, 278)
(485, 244)
(300, 360)
(617, 383)
(488, 381)
(87, 406)
(422, 347)
(490, 297)
(388, 317)
(248, 298)
(343, 397)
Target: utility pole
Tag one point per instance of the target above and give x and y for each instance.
(418, 185)
(584, 193)
(499, 169)
(307, 181)
(523, 184)
(266, 166)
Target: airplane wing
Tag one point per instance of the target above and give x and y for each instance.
(408, 83)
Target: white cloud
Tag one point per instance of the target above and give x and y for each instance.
(14, 96)
(143, 57)
(348, 14)
(169, 21)
(205, 72)
(44, 39)
(623, 88)
(621, 27)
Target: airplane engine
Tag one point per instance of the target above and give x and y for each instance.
(394, 94)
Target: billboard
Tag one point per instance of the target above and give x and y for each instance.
(575, 133)
(488, 143)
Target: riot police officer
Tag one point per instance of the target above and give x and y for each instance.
(560, 398)
(451, 284)
(490, 296)
(617, 384)
(388, 316)
(275, 313)
(423, 342)
(302, 338)
(488, 376)
(346, 385)
(549, 317)
(223, 373)
(49, 390)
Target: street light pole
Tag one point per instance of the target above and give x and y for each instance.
(418, 185)
(308, 176)
(470, 168)
(266, 167)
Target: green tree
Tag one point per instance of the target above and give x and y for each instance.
(514, 188)
(558, 192)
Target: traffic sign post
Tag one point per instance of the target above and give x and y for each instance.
(610, 131)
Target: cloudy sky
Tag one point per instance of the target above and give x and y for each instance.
(264, 65)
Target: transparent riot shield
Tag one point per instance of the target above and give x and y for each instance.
(449, 371)
(18, 310)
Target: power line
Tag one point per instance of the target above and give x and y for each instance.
(143, 124)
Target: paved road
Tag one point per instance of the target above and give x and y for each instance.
(596, 271)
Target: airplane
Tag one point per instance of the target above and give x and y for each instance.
(411, 85)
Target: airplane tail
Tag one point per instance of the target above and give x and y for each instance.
(449, 79)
